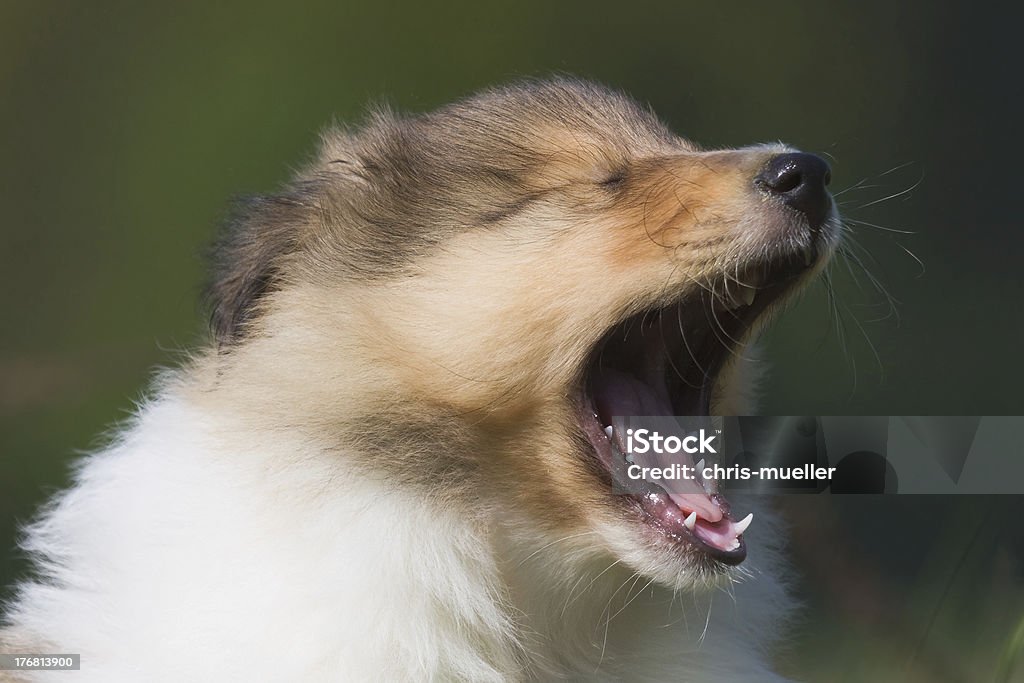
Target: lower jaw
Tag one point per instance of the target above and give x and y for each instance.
(658, 513)
(693, 380)
(652, 507)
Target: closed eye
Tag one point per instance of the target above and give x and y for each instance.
(614, 180)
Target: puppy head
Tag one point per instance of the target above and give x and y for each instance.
(519, 267)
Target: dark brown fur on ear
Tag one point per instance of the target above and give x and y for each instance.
(260, 232)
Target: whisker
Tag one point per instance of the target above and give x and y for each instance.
(607, 609)
(692, 355)
(895, 168)
(826, 281)
(871, 345)
(570, 599)
(631, 600)
(548, 545)
(894, 195)
(850, 256)
(671, 362)
(859, 185)
(878, 227)
(913, 256)
(707, 621)
(731, 344)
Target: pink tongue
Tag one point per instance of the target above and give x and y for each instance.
(721, 535)
(699, 502)
(622, 394)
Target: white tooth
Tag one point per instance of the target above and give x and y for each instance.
(700, 468)
(691, 521)
(629, 458)
(747, 294)
(608, 431)
(735, 544)
(741, 526)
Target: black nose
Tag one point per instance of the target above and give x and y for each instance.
(799, 179)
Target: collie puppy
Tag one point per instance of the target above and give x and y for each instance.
(391, 462)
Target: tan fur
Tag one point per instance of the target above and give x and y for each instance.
(416, 311)
(489, 333)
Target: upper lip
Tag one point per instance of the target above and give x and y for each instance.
(667, 360)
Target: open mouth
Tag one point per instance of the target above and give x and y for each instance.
(665, 362)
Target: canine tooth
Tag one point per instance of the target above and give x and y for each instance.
(742, 525)
(608, 431)
(691, 521)
(747, 294)
(700, 467)
(629, 458)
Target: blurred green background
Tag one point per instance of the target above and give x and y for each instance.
(126, 127)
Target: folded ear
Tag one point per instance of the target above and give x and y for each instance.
(247, 259)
